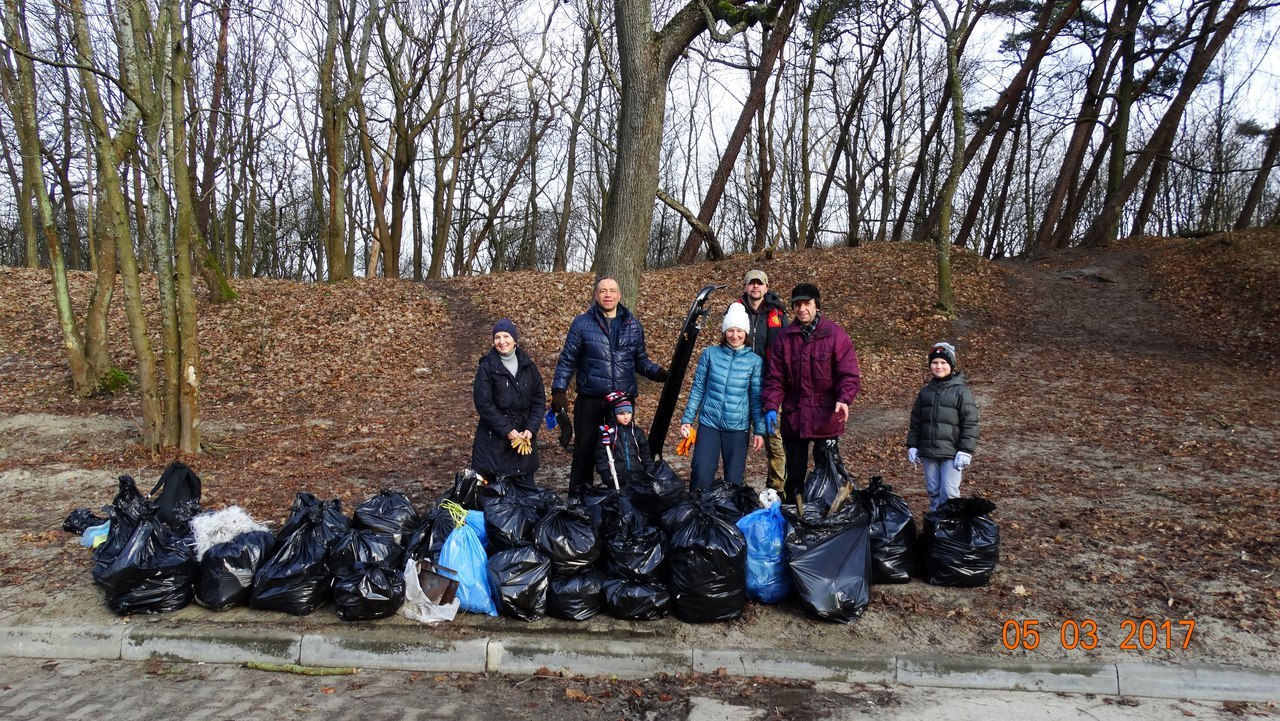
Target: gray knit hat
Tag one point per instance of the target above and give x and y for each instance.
(945, 351)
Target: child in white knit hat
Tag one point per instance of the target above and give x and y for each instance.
(944, 427)
(725, 403)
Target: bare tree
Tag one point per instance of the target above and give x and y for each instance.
(1259, 184)
(645, 58)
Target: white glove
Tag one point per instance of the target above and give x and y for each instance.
(963, 460)
(768, 497)
(913, 456)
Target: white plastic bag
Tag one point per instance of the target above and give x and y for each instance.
(417, 606)
(213, 527)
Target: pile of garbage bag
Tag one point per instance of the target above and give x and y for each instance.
(511, 547)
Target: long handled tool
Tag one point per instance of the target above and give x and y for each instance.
(679, 366)
(608, 450)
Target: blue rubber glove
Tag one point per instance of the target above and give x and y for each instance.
(963, 460)
(770, 422)
(913, 456)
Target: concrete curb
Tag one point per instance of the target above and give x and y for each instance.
(989, 674)
(1206, 683)
(414, 649)
(393, 650)
(86, 642)
(221, 645)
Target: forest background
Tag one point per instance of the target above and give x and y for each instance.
(324, 140)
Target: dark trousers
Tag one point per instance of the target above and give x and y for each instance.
(589, 413)
(712, 446)
(797, 450)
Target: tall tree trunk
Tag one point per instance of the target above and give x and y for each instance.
(1214, 33)
(23, 191)
(20, 85)
(768, 167)
(185, 235)
(333, 118)
(645, 60)
(560, 262)
(1124, 99)
(851, 114)
(1048, 27)
(415, 204)
(776, 40)
(955, 89)
(921, 165)
(978, 198)
(1254, 197)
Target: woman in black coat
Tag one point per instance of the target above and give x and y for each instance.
(510, 399)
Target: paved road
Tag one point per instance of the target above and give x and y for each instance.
(34, 690)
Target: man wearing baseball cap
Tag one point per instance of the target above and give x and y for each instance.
(811, 379)
(766, 315)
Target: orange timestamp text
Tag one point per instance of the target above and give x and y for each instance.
(1145, 634)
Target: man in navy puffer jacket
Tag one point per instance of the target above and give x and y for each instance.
(605, 349)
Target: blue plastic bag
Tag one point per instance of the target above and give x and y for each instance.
(464, 553)
(768, 580)
(94, 536)
(475, 519)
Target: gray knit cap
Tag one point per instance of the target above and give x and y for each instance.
(945, 351)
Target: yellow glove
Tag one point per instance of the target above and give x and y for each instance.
(522, 445)
(686, 444)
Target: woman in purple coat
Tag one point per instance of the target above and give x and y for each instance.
(811, 379)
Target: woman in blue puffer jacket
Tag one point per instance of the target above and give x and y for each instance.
(725, 402)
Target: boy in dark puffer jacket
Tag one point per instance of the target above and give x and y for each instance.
(624, 441)
(944, 427)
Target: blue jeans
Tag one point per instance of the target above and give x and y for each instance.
(713, 445)
(941, 481)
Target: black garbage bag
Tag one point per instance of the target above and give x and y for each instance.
(727, 500)
(567, 537)
(656, 489)
(126, 509)
(81, 520)
(961, 543)
(331, 521)
(363, 546)
(827, 477)
(706, 567)
(387, 512)
(605, 506)
(637, 600)
(368, 591)
(893, 533)
(295, 578)
(426, 540)
(226, 571)
(830, 560)
(518, 578)
(177, 496)
(466, 490)
(577, 597)
(516, 485)
(509, 520)
(635, 549)
(153, 572)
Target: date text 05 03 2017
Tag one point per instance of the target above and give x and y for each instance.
(1137, 634)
